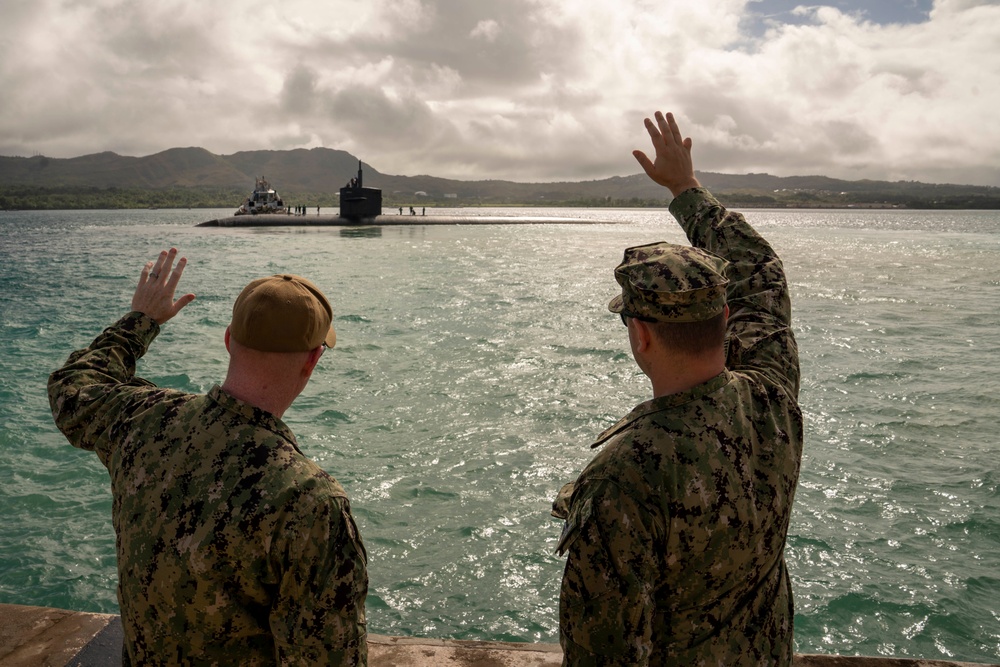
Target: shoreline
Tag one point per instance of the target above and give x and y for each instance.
(331, 220)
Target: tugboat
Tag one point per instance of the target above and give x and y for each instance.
(263, 199)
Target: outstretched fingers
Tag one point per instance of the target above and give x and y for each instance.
(671, 166)
(162, 264)
(154, 295)
(675, 131)
(175, 275)
(668, 129)
(144, 275)
(654, 132)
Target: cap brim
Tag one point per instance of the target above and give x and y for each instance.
(331, 338)
(617, 304)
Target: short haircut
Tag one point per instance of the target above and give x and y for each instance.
(692, 337)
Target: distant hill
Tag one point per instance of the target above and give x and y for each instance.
(301, 170)
(196, 177)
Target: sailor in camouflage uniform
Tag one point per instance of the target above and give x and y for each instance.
(233, 547)
(675, 532)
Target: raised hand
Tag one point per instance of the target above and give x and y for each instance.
(672, 166)
(154, 295)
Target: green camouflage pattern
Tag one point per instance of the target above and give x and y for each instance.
(665, 282)
(233, 547)
(675, 532)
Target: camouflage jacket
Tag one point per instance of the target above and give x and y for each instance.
(233, 547)
(675, 532)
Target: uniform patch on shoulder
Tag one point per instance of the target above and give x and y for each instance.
(578, 516)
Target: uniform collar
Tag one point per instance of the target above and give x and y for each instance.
(662, 403)
(252, 415)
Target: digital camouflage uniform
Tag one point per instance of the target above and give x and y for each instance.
(675, 532)
(233, 547)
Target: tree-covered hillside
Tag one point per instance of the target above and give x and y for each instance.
(194, 178)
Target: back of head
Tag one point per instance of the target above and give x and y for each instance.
(282, 313)
(679, 290)
(692, 338)
(279, 324)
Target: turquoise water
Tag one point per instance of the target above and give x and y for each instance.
(475, 363)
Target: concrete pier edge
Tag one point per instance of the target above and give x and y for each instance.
(46, 637)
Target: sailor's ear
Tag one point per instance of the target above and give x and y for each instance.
(643, 334)
(312, 360)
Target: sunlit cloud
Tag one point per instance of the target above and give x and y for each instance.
(523, 90)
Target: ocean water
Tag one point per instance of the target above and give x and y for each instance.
(475, 364)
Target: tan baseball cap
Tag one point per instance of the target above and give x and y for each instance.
(282, 313)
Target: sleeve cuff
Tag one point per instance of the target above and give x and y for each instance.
(139, 325)
(686, 204)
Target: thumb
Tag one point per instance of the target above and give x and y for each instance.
(644, 162)
(180, 303)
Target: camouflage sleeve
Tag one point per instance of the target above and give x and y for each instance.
(86, 393)
(759, 336)
(318, 617)
(605, 604)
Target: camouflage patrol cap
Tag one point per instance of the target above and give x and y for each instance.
(665, 282)
(282, 313)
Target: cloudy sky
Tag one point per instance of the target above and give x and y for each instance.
(527, 90)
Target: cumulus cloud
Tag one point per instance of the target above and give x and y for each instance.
(487, 29)
(524, 89)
